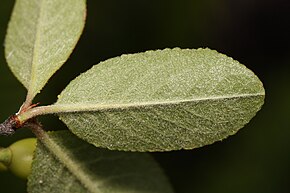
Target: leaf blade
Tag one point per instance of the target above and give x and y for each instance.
(104, 171)
(180, 87)
(40, 37)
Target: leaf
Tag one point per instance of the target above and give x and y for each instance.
(161, 100)
(41, 35)
(93, 169)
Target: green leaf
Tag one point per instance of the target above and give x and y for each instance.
(161, 100)
(41, 35)
(93, 169)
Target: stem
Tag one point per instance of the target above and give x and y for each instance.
(29, 98)
(36, 111)
(38, 131)
(59, 153)
(26, 105)
(51, 145)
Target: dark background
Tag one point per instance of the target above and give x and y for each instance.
(254, 32)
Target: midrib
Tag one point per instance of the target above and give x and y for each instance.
(35, 56)
(63, 108)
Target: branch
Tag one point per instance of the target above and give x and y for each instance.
(9, 126)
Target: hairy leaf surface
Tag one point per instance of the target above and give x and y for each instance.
(93, 170)
(41, 35)
(161, 100)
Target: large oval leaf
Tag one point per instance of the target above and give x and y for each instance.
(41, 35)
(161, 100)
(85, 168)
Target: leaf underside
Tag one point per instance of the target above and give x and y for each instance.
(161, 100)
(98, 170)
(41, 35)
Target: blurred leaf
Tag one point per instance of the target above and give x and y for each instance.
(41, 35)
(93, 169)
(161, 100)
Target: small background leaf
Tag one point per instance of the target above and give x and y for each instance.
(161, 100)
(41, 35)
(104, 171)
